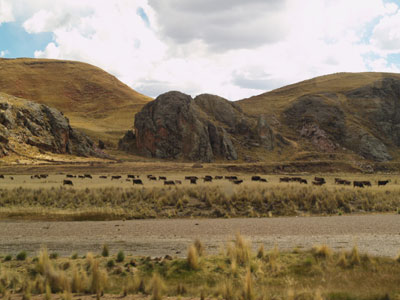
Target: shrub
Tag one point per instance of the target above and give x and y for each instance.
(110, 263)
(260, 252)
(74, 256)
(8, 257)
(120, 256)
(54, 255)
(105, 252)
(21, 255)
(322, 251)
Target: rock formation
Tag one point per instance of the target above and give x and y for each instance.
(201, 129)
(25, 122)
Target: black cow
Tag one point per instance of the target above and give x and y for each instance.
(191, 177)
(169, 182)
(237, 181)
(303, 181)
(358, 184)
(81, 176)
(67, 182)
(88, 176)
(116, 177)
(366, 183)
(383, 182)
(207, 178)
(152, 178)
(43, 175)
(231, 177)
(103, 176)
(131, 176)
(320, 179)
(2, 176)
(162, 178)
(284, 179)
(255, 178)
(218, 177)
(137, 181)
(193, 180)
(263, 180)
(70, 176)
(178, 182)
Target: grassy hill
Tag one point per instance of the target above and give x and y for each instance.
(94, 101)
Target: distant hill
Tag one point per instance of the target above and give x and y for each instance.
(93, 100)
(340, 116)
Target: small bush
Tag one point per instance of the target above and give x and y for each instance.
(53, 255)
(22, 255)
(105, 252)
(120, 256)
(322, 251)
(74, 256)
(8, 257)
(110, 263)
(260, 252)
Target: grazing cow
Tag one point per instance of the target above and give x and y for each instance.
(178, 182)
(303, 181)
(137, 181)
(116, 177)
(88, 176)
(218, 177)
(12, 178)
(358, 184)
(231, 177)
(207, 178)
(318, 183)
(148, 176)
(70, 176)
(263, 180)
(43, 175)
(152, 178)
(2, 176)
(169, 182)
(255, 178)
(193, 180)
(81, 176)
(67, 182)
(284, 179)
(320, 179)
(162, 178)
(103, 176)
(131, 176)
(237, 181)
(383, 182)
(366, 183)
(191, 177)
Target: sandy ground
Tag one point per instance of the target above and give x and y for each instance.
(373, 234)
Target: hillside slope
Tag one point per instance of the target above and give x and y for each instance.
(93, 100)
(344, 116)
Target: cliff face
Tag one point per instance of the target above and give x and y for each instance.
(24, 122)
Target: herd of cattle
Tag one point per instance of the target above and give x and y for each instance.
(136, 180)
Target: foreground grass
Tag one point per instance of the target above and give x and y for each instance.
(176, 202)
(235, 273)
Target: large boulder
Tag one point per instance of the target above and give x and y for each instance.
(30, 123)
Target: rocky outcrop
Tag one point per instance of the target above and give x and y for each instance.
(46, 128)
(205, 128)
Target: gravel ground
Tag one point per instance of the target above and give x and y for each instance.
(373, 234)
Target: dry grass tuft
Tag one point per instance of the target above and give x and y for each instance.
(193, 258)
(322, 251)
(260, 252)
(354, 258)
(98, 279)
(201, 251)
(157, 287)
(248, 291)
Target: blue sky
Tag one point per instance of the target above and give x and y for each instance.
(232, 48)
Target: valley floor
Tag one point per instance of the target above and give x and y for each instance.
(376, 235)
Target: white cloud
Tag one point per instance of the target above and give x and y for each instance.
(3, 53)
(233, 48)
(6, 11)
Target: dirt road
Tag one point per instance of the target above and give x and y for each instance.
(374, 234)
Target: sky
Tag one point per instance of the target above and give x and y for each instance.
(232, 48)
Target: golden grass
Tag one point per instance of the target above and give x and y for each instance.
(300, 276)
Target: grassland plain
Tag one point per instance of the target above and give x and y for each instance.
(113, 199)
(236, 272)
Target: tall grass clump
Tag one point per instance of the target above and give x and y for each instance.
(120, 256)
(355, 259)
(248, 291)
(199, 247)
(193, 258)
(105, 252)
(98, 279)
(322, 251)
(157, 287)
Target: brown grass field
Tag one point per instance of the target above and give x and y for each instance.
(236, 272)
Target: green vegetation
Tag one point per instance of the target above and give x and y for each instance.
(212, 201)
(235, 273)
(105, 252)
(120, 256)
(21, 255)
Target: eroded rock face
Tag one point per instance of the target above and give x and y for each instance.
(26, 122)
(206, 128)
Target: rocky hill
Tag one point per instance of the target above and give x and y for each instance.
(93, 100)
(205, 128)
(347, 116)
(28, 129)
(343, 114)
